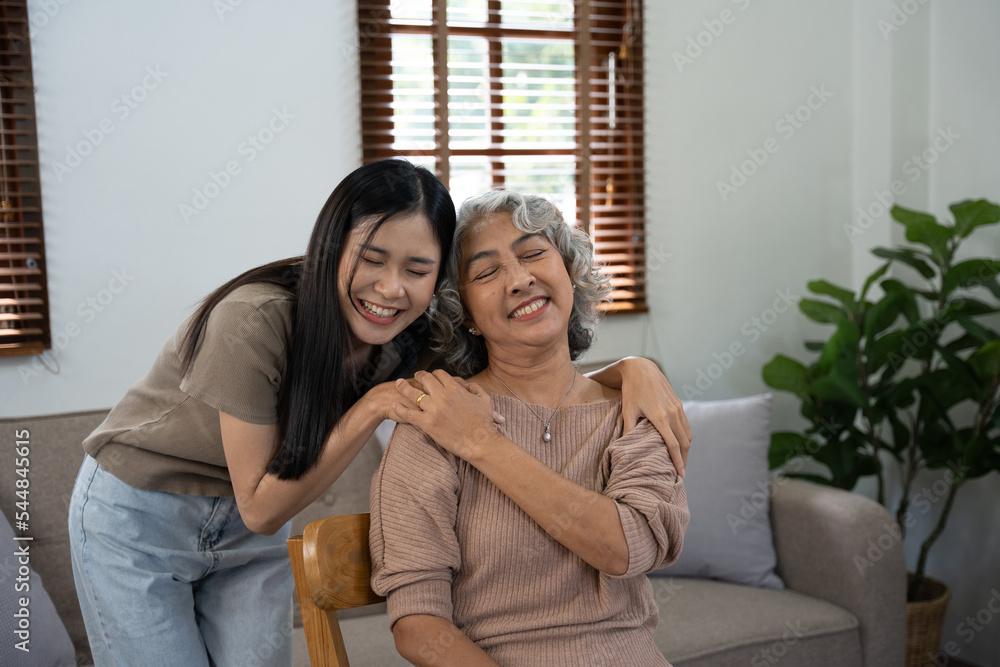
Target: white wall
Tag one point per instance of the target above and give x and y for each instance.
(716, 266)
(720, 261)
(964, 95)
(220, 80)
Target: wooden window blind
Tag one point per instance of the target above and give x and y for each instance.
(540, 97)
(24, 310)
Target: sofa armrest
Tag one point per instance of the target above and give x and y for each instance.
(842, 547)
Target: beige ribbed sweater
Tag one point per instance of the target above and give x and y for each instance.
(446, 542)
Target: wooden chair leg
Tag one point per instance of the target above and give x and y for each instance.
(323, 636)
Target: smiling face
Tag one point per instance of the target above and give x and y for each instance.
(396, 273)
(514, 285)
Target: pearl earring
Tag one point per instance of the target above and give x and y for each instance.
(472, 330)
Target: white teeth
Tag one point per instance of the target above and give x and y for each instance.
(530, 308)
(378, 311)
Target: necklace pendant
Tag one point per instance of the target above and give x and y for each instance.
(547, 437)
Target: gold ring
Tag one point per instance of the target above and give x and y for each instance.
(419, 398)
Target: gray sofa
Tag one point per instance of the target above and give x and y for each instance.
(830, 613)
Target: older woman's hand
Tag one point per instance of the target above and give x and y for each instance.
(456, 414)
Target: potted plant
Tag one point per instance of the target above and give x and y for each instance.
(910, 378)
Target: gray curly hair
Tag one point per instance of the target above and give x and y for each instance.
(465, 354)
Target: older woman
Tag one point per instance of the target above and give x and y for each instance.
(525, 543)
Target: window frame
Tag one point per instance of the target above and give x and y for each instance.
(610, 169)
(25, 325)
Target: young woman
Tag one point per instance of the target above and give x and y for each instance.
(526, 543)
(253, 408)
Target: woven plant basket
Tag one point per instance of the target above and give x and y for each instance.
(924, 620)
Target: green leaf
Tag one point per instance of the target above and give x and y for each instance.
(970, 273)
(968, 307)
(993, 286)
(936, 445)
(924, 229)
(842, 295)
(906, 256)
(970, 214)
(945, 388)
(885, 350)
(814, 345)
(835, 387)
(786, 374)
(910, 217)
(883, 314)
(846, 461)
(841, 349)
(900, 433)
(821, 311)
(962, 343)
(907, 301)
(879, 272)
(976, 330)
(959, 367)
(786, 445)
(920, 338)
(986, 361)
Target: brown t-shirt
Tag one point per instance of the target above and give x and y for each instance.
(164, 435)
(446, 541)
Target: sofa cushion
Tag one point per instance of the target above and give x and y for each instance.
(55, 458)
(702, 624)
(729, 537)
(25, 607)
(716, 624)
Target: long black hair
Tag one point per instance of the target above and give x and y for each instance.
(320, 383)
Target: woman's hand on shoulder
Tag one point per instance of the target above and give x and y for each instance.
(646, 393)
(381, 398)
(458, 415)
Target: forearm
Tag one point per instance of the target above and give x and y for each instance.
(610, 375)
(431, 640)
(266, 502)
(584, 521)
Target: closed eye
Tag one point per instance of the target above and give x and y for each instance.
(486, 274)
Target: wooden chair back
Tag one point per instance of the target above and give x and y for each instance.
(332, 571)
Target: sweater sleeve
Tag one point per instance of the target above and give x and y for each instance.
(239, 362)
(652, 503)
(413, 543)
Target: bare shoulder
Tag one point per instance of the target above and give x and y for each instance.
(595, 392)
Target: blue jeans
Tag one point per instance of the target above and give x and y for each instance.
(169, 579)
